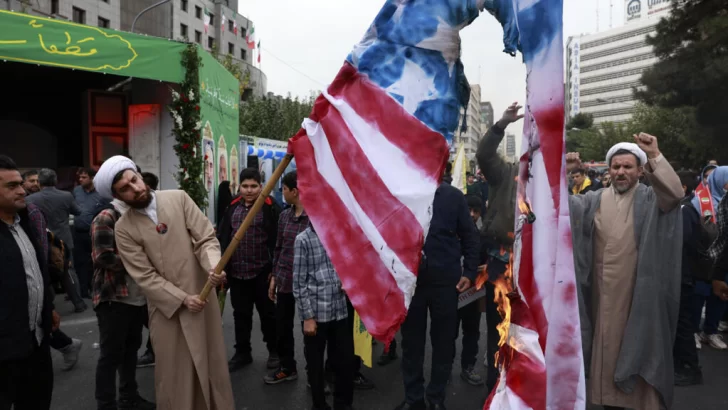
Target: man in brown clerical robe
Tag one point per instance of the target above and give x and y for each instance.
(627, 248)
(169, 248)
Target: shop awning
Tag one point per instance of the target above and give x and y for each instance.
(265, 148)
(265, 153)
(59, 43)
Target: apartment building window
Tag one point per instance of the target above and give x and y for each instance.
(198, 37)
(243, 54)
(104, 23)
(198, 12)
(105, 1)
(211, 42)
(231, 49)
(212, 20)
(54, 7)
(243, 32)
(79, 15)
(231, 25)
(183, 5)
(183, 30)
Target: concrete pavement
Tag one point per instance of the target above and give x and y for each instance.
(74, 390)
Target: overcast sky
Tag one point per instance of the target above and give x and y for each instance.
(305, 43)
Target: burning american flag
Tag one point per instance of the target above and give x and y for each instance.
(540, 358)
(374, 149)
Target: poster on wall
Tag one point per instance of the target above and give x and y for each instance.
(219, 104)
(234, 170)
(222, 161)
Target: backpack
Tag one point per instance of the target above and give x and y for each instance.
(706, 234)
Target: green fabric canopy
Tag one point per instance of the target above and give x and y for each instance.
(59, 43)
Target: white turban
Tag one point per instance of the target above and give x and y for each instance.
(105, 176)
(627, 146)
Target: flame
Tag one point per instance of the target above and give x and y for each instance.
(523, 206)
(503, 286)
(482, 277)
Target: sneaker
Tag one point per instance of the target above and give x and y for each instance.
(70, 354)
(239, 361)
(146, 360)
(471, 377)
(281, 375)
(362, 383)
(274, 361)
(723, 326)
(715, 341)
(698, 342)
(136, 404)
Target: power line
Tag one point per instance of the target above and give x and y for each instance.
(268, 52)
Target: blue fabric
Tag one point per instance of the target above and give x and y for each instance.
(394, 41)
(716, 181)
(540, 23)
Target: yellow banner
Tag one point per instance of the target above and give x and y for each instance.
(362, 341)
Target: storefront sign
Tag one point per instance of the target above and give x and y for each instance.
(59, 43)
(633, 10)
(574, 76)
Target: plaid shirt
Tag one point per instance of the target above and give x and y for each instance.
(252, 254)
(109, 282)
(316, 286)
(38, 222)
(289, 226)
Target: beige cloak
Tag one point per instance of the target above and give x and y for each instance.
(191, 364)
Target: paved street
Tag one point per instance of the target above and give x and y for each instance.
(75, 390)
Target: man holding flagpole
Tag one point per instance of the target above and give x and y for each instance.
(169, 248)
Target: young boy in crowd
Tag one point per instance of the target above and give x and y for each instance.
(322, 305)
(291, 222)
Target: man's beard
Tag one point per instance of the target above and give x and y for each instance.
(622, 188)
(141, 203)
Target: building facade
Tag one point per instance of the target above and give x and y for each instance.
(177, 19)
(603, 68)
(471, 136)
(486, 117)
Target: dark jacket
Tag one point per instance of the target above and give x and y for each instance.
(501, 213)
(691, 238)
(271, 211)
(56, 205)
(452, 237)
(16, 341)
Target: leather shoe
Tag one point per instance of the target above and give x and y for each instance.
(419, 405)
(437, 406)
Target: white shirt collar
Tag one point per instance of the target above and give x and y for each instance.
(151, 209)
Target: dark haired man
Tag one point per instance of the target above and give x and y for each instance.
(150, 179)
(250, 268)
(627, 239)
(30, 181)
(26, 302)
(91, 203)
(291, 222)
(581, 182)
(168, 246)
(57, 206)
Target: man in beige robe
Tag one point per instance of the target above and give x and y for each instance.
(626, 239)
(169, 248)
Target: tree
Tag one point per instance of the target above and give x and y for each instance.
(691, 76)
(580, 121)
(274, 117)
(594, 143)
(227, 61)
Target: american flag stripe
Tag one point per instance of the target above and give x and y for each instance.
(348, 246)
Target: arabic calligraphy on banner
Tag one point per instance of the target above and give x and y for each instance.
(58, 43)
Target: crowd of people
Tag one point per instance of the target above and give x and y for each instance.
(141, 256)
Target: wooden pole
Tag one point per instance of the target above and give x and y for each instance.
(257, 206)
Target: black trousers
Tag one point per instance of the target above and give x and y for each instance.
(330, 352)
(27, 384)
(442, 303)
(341, 335)
(150, 349)
(285, 314)
(469, 319)
(82, 261)
(120, 328)
(59, 340)
(244, 294)
(684, 352)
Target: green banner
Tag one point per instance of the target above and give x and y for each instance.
(219, 104)
(59, 43)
